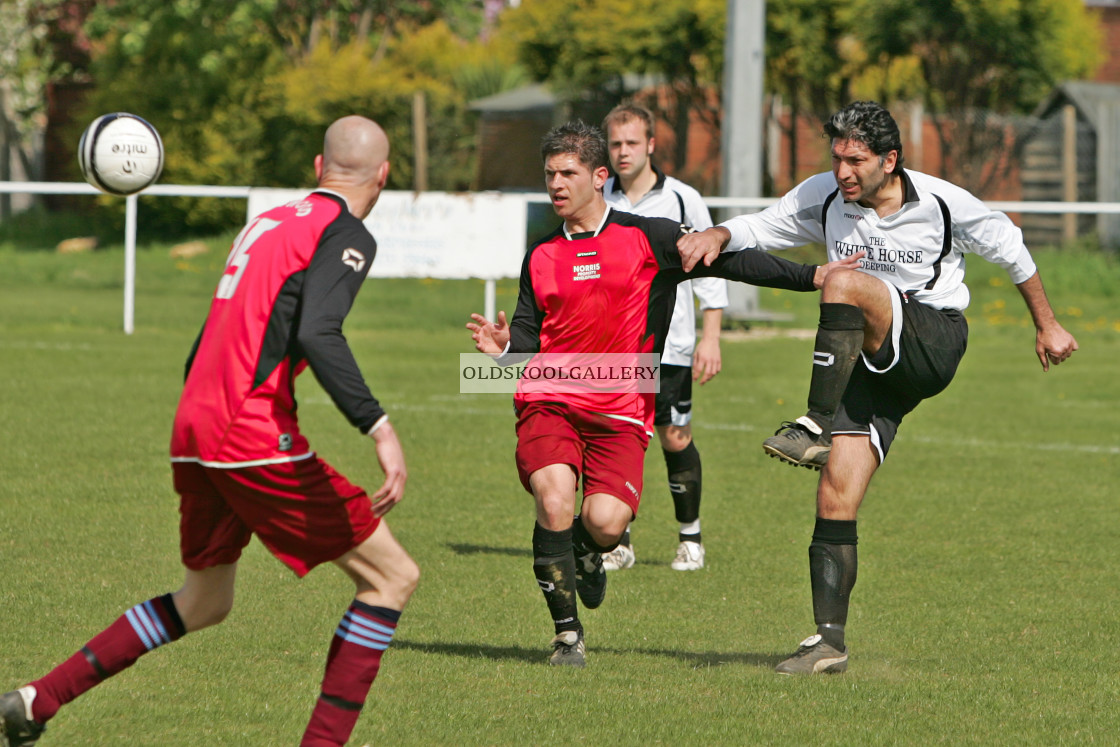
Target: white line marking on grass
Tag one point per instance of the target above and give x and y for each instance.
(766, 333)
(972, 443)
(977, 443)
(727, 427)
(57, 346)
(504, 409)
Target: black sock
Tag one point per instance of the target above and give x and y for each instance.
(835, 352)
(555, 568)
(685, 482)
(583, 543)
(832, 571)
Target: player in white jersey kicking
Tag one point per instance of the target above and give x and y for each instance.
(891, 332)
(641, 188)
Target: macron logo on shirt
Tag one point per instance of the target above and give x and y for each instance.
(353, 258)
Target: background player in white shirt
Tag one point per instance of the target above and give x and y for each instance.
(892, 331)
(640, 187)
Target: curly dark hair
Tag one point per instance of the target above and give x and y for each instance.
(869, 123)
(584, 141)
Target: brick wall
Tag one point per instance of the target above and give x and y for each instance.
(509, 151)
(1110, 22)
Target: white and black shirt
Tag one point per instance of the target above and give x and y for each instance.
(919, 249)
(672, 198)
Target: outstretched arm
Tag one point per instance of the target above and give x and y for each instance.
(1053, 344)
(702, 246)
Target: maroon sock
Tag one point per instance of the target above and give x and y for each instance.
(352, 663)
(143, 628)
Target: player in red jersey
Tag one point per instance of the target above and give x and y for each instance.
(602, 284)
(241, 466)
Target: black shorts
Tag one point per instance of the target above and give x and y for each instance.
(917, 361)
(674, 400)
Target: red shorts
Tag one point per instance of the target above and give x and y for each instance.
(608, 453)
(304, 512)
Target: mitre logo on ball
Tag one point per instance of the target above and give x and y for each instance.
(120, 153)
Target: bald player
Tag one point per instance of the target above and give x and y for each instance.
(241, 466)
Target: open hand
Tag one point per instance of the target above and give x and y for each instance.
(489, 337)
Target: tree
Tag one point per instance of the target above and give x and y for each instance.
(195, 69)
(241, 90)
(812, 58)
(981, 60)
(593, 45)
(28, 64)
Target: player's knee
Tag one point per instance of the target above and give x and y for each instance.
(606, 526)
(396, 586)
(835, 503)
(610, 535)
(841, 286)
(407, 579)
(555, 512)
(219, 613)
(675, 438)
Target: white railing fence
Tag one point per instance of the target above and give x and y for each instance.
(437, 234)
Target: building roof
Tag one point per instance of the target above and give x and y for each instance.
(1090, 98)
(526, 98)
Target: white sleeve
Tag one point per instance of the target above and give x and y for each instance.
(712, 292)
(990, 234)
(795, 220)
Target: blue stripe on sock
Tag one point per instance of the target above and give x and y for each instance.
(146, 620)
(371, 625)
(146, 624)
(153, 616)
(363, 638)
(140, 630)
(364, 631)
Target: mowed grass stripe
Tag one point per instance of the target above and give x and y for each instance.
(984, 613)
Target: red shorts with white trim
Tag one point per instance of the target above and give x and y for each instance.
(607, 453)
(304, 512)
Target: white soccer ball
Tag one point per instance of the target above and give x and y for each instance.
(120, 153)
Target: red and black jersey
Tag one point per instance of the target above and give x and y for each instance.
(613, 292)
(290, 280)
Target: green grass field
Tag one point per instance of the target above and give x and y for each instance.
(986, 610)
